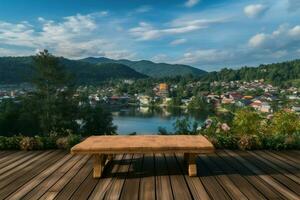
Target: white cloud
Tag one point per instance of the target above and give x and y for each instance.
(295, 32)
(283, 38)
(191, 3)
(73, 37)
(258, 39)
(205, 56)
(143, 9)
(255, 10)
(160, 58)
(178, 41)
(146, 31)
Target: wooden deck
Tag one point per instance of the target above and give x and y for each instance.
(223, 175)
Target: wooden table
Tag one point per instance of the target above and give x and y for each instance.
(104, 147)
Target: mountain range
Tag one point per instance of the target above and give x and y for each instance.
(15, 70)
(149, 68)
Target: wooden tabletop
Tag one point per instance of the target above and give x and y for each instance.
(144, 144)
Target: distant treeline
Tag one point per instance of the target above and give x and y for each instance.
(280, 74)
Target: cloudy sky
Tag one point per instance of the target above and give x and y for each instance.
(208, 34)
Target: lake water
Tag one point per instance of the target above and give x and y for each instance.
(147, 120)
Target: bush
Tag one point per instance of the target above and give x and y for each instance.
(248, 142)
(68, 142)
(226, 141)
(38, 142)
(12, 143)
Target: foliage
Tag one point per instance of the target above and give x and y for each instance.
(38, 142)
(184, 126)
(281, 74)
(246, 122)
(96, 120)
(279, 132)
(162, 131)
(52, 107)
(285, 123)
(17, 70)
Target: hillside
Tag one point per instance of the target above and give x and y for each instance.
(15, 70)
(281, 74)
(155, 70)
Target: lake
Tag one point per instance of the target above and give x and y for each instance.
(144, 120)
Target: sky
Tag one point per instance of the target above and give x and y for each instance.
(207, 34)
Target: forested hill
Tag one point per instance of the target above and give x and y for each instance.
(149, 68)
(16, 70)
(285, 73)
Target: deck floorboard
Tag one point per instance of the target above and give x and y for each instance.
(225, 174)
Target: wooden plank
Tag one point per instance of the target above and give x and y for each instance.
(12, 174)
(279, 187)
(21, 192)
(272, 162)
(106, 181)
(256, 182)
(53, 191)
(243, 185)
(39, 190)
(212, 186)
(288, 183)
(162, 179)
(179, 186)
(115, 189)
(131, 186)
(147, 183)
(31, 171)
(232, 190)
(7, 155)
(284, 159)
(195, 185)
(19, 171)
(75, 182)
(144, 144)
(294, 159)
(85, 188)
(16, 162)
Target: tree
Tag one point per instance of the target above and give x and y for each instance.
(53, 95)
(95, 120)
(247, 122)
(286, 123)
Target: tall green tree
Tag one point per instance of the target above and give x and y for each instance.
(53, 95)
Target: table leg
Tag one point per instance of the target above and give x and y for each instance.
(98, 165)
(192, 167)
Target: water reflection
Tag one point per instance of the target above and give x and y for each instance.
(145, 120)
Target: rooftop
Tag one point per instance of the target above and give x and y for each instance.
(223, 175)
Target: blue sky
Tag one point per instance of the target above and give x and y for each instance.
(208, 34)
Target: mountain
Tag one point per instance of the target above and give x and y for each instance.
(280, 74)
(15, 70)
(155, 70)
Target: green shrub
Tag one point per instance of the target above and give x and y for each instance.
(68, 142)
(73, 140)
(226, 141)
(3, 142)
(12, 143)
(248, 142)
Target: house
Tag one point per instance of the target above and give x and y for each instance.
(235, 96)
(163, 90)
(296, 108)
(265, 107)
(118, 100)
(243, 102)
(256, 104)
(144, 100)
(227, 100)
